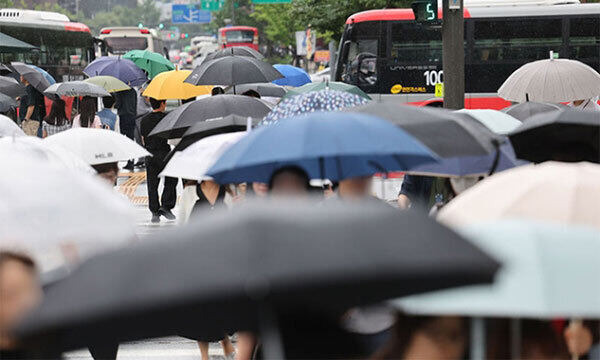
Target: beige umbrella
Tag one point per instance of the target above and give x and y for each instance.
(551, 80)
(563, 193)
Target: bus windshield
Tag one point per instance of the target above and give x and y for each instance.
(239, 36)
(121, 45)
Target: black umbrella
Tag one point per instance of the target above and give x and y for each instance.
(5, 70)
(175, 124)
(233, 70)
(34, 77)
(236, 50)
(7, 103)
(210, 127)
(566, 135)
(223, 271)
(446, 133)
(11, 87)
(263, 89)
(525, 110)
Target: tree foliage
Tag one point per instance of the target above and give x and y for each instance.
(279, 23)
(6, 3)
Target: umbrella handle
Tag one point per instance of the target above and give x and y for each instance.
(270, 334)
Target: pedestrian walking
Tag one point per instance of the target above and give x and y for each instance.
(159, 148)
(289, 181)
(57, 120)
(108, 115)
(35, 110)
(126, 104)
(87, 114)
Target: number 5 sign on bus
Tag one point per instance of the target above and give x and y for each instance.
(426, 11)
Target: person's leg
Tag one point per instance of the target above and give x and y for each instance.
(228, 348)
(127, 126)
(169, 194)
(203, 349)
(152, 171)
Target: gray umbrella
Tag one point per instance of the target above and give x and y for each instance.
(34, 77)
(236, 50)
(263, 89)
(527, 109)
(76, 88)
(233, 70)
(179, 120)
(446, 133)
(11, 87)
(222, 271)
(7, 103)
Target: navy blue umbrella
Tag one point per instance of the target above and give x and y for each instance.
(293, 76)
(323, 100)
(327, 145)
(123, 69)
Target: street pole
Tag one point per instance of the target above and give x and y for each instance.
(233, 12)
(453, 54)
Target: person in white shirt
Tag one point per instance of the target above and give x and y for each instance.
(87, 114)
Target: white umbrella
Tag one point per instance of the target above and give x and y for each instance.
(96, 146)
(76, 88)
(548, 271)
(36, 149)
(46, 208)
(497, 121)
(9, 128)
(551, 80)
(193, 162)
(561, 193)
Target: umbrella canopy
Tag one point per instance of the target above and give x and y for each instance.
(11, 87)
(566, 135)
(292, 75)
(123, 69)
(331, 85)
(210, 127)
(108, 83)
(324, 100)
(10, 44)
(46, 207)
(193, 162)
(444, 132)
(233, 70)
(525, 110)
(97, 146)
(76, 88)
(327, 145)
(33, 76)
(263, 89)
(175, 124)
(151, 62)
(524, 193)
(171, 85)
(46, 75)
(236, 50)
(280, 254)
(545, 274)
(551, 80)
(9, 128)
(7, 103)
(497, 121)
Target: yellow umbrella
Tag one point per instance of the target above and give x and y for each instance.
(170, 85)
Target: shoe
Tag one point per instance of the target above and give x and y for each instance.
(140, 164)
(155, 218)
(167, 213)
(129, 166)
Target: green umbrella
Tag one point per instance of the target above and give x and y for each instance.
(108, 83)
(151, 62)
(333, 85)
(10, 44)
(548, 271)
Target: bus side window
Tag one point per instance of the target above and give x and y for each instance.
(584, 38)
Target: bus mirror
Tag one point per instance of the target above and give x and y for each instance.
(346, 48)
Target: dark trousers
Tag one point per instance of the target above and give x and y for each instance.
(154, 165)
(127, 125)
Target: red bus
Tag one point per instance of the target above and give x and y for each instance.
(392, 57)
(238, 36)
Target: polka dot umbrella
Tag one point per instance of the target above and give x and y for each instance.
(324, 100)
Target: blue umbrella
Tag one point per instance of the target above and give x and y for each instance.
(44, 73)
(123, 69)
(327, 145)
(293, 76)
(324, 100)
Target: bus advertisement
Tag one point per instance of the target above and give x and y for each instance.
(393, 58)
(238, 36)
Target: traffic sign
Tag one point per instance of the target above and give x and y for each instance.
(271, 1)
(439, 90)
(212, 5)
(426, 11)
(189, 14)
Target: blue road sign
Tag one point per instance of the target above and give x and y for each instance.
(183, 14)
